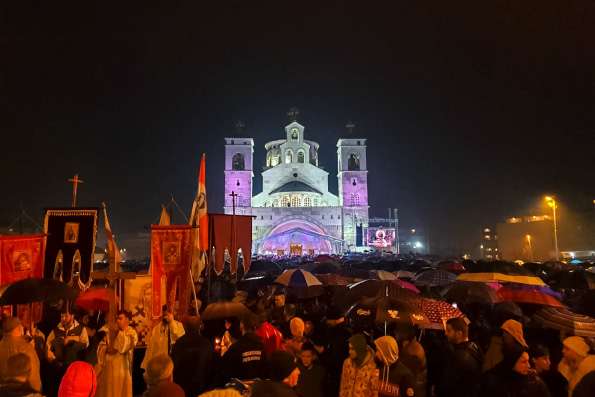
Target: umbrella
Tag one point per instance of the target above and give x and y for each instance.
(437, 312)
(573, 279)
(503, 267)
(300, 283)
(96, 298)
(466, 292)
(384, 275)
(434, 278)
(31, 290)
(326, 268)
(406, 285)
(265, 267)
(453, 267)
(564, 320)
(372, 288)
(219, 310)
(507, 310)
(388, 309)
(404, 274)
(500, 277)
(523, 294)
(334, 279)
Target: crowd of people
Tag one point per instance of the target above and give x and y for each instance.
(289, 350)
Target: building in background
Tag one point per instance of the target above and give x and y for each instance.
(527, 238)
(296, 214)
(489, 244)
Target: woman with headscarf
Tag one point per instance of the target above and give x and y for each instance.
(395, 378)
(360, 375)
(512, 377)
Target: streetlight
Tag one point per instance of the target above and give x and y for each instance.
(528, 237)
(552, 203)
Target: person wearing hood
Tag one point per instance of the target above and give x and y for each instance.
(555, 381)
(512, 338)
(460, 377)
(576, 362)
(513, 377)
(395, 378)
(360, 377)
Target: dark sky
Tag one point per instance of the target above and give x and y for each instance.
(472, 110)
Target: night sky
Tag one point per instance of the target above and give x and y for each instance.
(472, 111)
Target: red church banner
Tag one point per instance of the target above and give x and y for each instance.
(171, 254)
(229, 231)
(21, 257)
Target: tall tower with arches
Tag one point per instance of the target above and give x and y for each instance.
(353, 187)
(238, 174)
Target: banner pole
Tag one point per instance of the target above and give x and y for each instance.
(194, 292)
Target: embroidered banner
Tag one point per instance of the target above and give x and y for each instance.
(70, 245)
(21, 257)
(171, 254)
(231, 233)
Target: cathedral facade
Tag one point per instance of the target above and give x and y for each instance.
(296, 214)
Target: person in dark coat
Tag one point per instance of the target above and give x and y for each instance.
(193, 358)
(555, 381)
(245, 359)
(395, 378)
(512, 377)
(312, 374)
(337, 337)
(463, 360)
(284, 375)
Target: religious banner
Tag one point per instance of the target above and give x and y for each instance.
(21, 256)
(70, 245)
(231, 233)
(200, 222)
(171, 254)
(137, 300)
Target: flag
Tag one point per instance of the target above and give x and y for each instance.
(164, 219)
(113, 253)
(200, 222)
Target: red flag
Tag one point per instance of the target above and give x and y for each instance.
(113, 252)
(200, 221)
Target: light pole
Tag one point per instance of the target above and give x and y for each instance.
(552, 203)
(530, 246)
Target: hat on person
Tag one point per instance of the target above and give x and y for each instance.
(297, 326)
(10, 323)
(577, 344)
(537, 351)
(388, 348)
(78, 381)
(282, 365)
(359, 344)
(515, 329)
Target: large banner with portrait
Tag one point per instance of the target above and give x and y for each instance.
(21, 257)
(171, 254)
(71, 237)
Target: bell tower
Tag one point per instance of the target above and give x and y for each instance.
(238, 174)
(353, 188)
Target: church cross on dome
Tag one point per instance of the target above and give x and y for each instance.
(350, 127)
(293, 113)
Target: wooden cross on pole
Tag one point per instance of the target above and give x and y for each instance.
(75, 183)
(114, 276)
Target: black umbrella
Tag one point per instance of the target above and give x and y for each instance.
(265, 267)
(31, 290)
(503, 267)
(573, 279)
(220, 310)
(326, 268)
(373, 288)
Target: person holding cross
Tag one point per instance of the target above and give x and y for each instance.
(163, 336)
(115, 353)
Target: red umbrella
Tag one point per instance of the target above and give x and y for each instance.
(406, 285)
(527, 295)
(438, 312)
(96, 298)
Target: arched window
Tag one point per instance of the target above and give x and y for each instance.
(307, 202)
(289, 156)
(295, 201)
(237, 162)
(300, 156)
(285, 201)
(354, 200)
(275, 203)
(316, 202)
(294, 134)
(353, 162)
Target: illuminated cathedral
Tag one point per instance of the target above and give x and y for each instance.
(296, 214)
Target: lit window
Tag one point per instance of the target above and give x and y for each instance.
(488, 237)
(289, 156)
(307, 202)
(300, 156)
(285, 201)
(486, 230)
(489, 250)
(295, 201)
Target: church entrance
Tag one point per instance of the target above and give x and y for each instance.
(295, 249)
